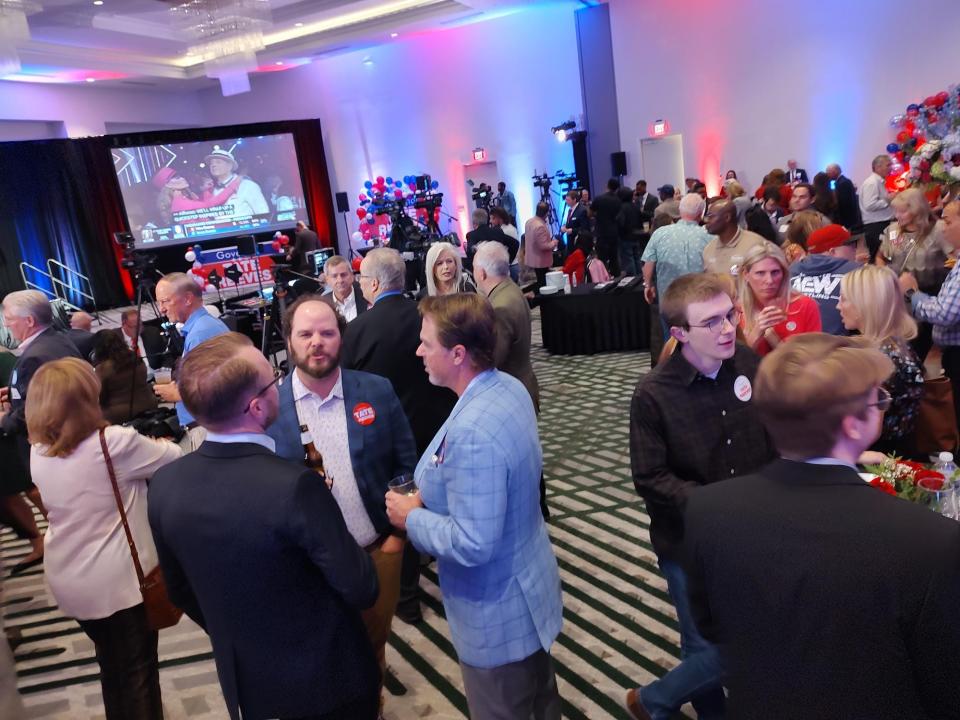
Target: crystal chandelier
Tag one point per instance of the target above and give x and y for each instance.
(14, 31)
(226, 35)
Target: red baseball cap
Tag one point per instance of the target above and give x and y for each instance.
(163, 176)
(827, 238)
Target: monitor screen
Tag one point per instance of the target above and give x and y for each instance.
(187, 192)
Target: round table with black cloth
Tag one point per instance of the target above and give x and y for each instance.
(587, 322)
(14, 475)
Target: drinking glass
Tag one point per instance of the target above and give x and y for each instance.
(403, 484)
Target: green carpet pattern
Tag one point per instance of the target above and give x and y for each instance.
(619, 626)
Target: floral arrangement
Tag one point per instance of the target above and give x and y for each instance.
(906, 479)
(927, 148)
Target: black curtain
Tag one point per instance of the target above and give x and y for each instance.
(59, 199)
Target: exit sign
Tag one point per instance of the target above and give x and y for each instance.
(479, 155)
(658, 128)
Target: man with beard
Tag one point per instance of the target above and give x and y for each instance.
(356, 423)
(256, 552)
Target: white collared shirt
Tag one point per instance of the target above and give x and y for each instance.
(874, 201)
(258, 438)
(347, 308)
(24, 343)
(326, 420)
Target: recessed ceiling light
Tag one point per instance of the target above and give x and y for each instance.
(91, 79)
(393, 35)
(98, 2)
(367, 61)
(298, 25)
(279, 62)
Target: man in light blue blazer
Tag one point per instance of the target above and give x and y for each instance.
(478, 512)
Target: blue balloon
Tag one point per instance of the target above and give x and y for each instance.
(892, 148)
(368, 184)
(371, 220)
(389, 181)
(406, 179)
(435, 184)
(399, 184)
(913, 106)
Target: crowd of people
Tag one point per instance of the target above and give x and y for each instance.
(291, 519)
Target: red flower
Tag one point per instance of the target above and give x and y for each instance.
(884, 486)
(911, 464)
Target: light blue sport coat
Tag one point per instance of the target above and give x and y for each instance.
(480, 483)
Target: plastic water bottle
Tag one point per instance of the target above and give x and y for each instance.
(946, 467)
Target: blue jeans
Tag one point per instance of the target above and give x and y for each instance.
(630, 257)
(698, 677)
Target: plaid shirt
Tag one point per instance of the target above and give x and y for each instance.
(688, 430)
(941, 310)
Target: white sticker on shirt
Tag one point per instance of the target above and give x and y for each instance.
(791, 326)
(14, 394)
(742, 388)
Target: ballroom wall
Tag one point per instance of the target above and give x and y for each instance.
(428, 99)
(751, 83)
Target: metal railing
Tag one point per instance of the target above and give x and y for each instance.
(59, 277)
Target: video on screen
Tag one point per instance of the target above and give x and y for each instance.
(187, 192)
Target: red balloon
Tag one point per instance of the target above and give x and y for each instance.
(932, 100)
(942, 98)
(413, 187)
(361, 213)
(362, 197)
(909, 126)
(921, 140)
(380, 180)
(398, 193)
(932, 117)
(276, 245)
(903, 136)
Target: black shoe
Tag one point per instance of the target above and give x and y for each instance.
(410, 614)
(25, 565)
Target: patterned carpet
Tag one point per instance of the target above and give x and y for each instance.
(619, 631)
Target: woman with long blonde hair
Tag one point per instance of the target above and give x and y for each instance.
(445, 274)
(872, 304)
(772, 310)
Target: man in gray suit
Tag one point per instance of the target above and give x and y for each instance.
(491, 270)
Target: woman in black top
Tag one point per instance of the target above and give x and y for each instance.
(119, 369)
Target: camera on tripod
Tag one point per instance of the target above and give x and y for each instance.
(568, 181)
(482, 195)
(136, 262)
(542, 181)
(427, 201)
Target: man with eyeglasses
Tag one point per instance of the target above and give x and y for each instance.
(356, 423)
(692, 423)
(806, 577)
(256, 551)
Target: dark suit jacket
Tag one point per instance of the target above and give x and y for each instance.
(384, 341)
(358, 298)
(605, 208)
(576, 221)
(379, 451)
(512, 352)
(255, 551)
(649, 206)
(828, 597)
(798, 175)
(83, 339)
(47, 346)
(485, 233)
(304, 241)
(848, 207)
(115, 391)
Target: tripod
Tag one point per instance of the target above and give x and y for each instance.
(144, 290)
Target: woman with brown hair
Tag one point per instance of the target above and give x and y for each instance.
(124, 391)
(772, 310)
(87, 561)
(800, 228)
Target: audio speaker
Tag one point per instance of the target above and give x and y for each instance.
(618, 163)
(342, 204)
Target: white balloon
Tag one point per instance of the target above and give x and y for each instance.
(357, 236)
(190, 257)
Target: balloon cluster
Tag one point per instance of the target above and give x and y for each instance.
(377, 195)
(280, 241)
(927, 147)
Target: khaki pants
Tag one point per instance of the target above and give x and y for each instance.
(379, 618)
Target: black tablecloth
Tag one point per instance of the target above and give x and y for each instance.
(585, 322)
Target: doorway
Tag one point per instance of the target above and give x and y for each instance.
(662, 161)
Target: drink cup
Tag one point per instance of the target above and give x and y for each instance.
(403, 484)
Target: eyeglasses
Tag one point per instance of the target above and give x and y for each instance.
(884, 400)
(277, 380)
(715, 324)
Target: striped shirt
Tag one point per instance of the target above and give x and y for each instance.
(941, 310)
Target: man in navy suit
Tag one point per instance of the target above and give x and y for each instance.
(355, 420)
(28, 316)
(255, 550)
(795, 174)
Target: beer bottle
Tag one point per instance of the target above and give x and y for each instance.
(312, 457)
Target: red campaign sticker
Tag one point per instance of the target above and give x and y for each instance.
(364, 413)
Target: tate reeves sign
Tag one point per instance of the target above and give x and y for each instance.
(223, 258)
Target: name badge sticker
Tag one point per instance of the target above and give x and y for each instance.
(742, 388)
(364, 413)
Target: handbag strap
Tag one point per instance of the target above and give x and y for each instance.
(123, 514)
